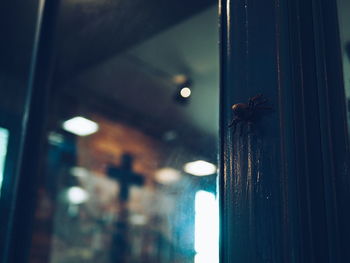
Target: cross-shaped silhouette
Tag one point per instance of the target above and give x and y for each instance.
(125, 176)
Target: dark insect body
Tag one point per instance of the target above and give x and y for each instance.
(248, 112)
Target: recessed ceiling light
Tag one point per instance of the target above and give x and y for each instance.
(200, 168)
(185, 92)
(167, 175)
(80, 126)
(77, 195)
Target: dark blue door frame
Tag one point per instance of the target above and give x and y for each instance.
(284, 184)
(20, 194)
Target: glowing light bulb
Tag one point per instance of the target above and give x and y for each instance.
(167, 175)
(77, 195)
(200, 168)
(80, 126)
(185, 92)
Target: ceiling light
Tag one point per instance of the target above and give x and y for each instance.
(185, 92)
(200, 168)
(80, 126)
(77, 195)
(167, 175)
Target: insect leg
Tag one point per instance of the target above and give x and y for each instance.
(254, 99)
(234, 125)
(261, 102)
(233, 122)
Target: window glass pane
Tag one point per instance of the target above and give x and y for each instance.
(344, 22)
(4, 134)
(131, 161)
(18, 27)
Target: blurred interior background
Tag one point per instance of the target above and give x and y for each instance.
(132, 142)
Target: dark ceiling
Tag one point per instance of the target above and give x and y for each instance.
(91, 31)
(121, 63)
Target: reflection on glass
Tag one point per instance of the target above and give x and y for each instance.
(131, 164)
(344, 26)
(80, 126)
(4, 134)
